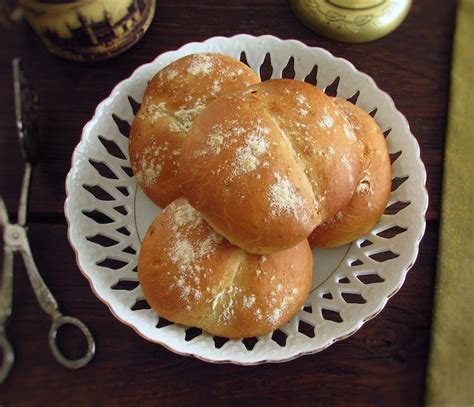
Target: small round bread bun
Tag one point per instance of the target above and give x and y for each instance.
(192, 276)
(172, 100)
(268, 164)
(373, 190)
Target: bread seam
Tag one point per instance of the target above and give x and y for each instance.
(290, 143)
(227, 283)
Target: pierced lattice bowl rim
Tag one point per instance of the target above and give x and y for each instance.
(345, 278)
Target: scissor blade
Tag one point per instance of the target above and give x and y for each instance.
(3, 213)
(27, 112)
(25, 191)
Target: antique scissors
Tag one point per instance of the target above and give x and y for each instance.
(16, 239)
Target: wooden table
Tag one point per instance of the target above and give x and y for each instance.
(385, 362)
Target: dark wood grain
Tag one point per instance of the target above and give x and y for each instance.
(384, 362)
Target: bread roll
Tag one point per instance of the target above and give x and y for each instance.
(268, 164)
(373, 189)
(172, 100)
(191, 275)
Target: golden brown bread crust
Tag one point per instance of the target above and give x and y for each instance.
(373, 190)
(266, 165)
(321, 137)
(191, 275)
(172, 99)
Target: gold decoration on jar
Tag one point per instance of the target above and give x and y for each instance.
(352, 20)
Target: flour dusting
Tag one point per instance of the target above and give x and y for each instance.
(247, 157)
(154, 112)
(187, 251)
(201, 64)
(348, 132)
(284, 198)
(187, 116)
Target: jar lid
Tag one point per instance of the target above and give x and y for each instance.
(351, 20)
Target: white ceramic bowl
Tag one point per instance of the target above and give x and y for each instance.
(108, 214)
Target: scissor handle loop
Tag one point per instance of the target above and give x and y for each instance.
(71, 363)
